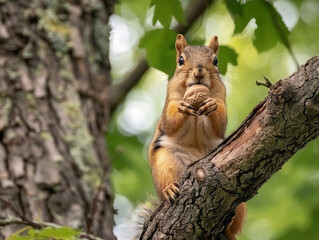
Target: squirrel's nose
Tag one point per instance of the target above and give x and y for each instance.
(199, 72)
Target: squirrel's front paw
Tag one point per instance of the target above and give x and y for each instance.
(186, 108)
(208, 106)
(171, 192)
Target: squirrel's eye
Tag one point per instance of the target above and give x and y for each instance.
(181, 61)
(215, 61)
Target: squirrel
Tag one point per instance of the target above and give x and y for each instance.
(185, 134)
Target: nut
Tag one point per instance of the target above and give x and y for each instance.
(196, 95)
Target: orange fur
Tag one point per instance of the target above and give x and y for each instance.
(165, 170)
(174, 118)
(218, 118)
(236, 225)
(182, 135)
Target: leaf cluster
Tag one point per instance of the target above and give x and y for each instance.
(159, 43)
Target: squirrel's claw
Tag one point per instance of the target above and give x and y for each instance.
(186, 108)
(171, 192)
(208, 106)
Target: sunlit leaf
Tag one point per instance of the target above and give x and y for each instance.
(270, 27)
(165, 10)
(16, 235)
(64, 233)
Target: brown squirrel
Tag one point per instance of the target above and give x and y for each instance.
(185, 134)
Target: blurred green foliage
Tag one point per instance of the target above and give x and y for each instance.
(160, 49)
(129, 175)
(48, 233)
(257, 38)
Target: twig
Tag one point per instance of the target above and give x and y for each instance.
(192, 13)
(15, 220)
(22, 217)
(267, 83)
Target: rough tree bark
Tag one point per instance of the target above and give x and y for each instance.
(54, 110)
(211, 188)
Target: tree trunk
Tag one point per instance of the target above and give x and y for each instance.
(212, 187)
(54, 110)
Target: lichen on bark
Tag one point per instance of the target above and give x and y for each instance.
(53, 161)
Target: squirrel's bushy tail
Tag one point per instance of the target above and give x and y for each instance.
(132, 227)
(140, 215)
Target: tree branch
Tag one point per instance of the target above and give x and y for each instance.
(284, 122)
(192, 13)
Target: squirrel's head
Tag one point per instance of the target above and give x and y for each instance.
(196, 64)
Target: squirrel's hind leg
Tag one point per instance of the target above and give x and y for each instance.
(164, 169)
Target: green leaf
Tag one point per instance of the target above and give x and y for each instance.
(242, 18)
(16, 235)
(160, 49)
(270, 27)
(234, 8)
(165, 10)
(226, 55)
(64, 233)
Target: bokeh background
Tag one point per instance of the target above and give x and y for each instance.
(287, 206)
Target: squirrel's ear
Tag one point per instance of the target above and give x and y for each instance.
(213, 44)
(180, 44)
